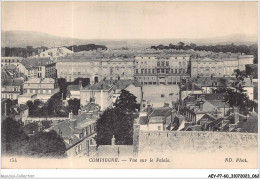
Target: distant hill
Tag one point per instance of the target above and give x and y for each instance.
(37, 39)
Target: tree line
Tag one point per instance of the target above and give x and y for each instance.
(246, 49)
(21, 52)
(87, 47)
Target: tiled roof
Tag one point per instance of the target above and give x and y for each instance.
(10, 67)
(35, 62)
(39, 80)
(91, 107)
(210, 96)
(219, 103)
(11, 82)
(122, 84)
(189, 86)
(143, 120)
(162, 111)
(73, 88)
(98, 86)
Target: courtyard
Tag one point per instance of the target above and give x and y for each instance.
(160, 94)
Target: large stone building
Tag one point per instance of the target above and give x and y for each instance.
(218, 66)
(152, 69)
(95, 68)
(43, 88)
(118, 68)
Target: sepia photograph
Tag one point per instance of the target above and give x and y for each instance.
(129, 85)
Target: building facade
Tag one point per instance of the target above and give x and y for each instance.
(116, 69)
(101, 94)
(167, 69)
(44, 88)
(75, 67)
(219, 67)
(11, 88)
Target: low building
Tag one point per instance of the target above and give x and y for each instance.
(73, 91)
(100, 93)
(189, 88)
(43, 87)
(78, 132)
(19, 112)
(133, 86)
(155, 119)
(11, 88)
(22, 99)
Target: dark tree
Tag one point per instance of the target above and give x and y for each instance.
(63, 86)
(118, 121)
(126, 101)
(13, 136)
(47, 144)
(74, 106)
(236, 99)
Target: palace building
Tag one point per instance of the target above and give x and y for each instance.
(161, 69)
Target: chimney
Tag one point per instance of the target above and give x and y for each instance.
(201, 105)
(113, 140)
(5, 108)
(70, 115)
(80, 85)
(79, 112)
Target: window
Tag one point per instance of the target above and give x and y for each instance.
(176, 71)
(159, 128)
(149, 71)
(162, 63)
(76, 149)
(142, 70)
(158, 63)
(136, 71)
(167, 63)
(145, 71)
(162, 70)
(80, 147)
(153, 70)
(158, 70)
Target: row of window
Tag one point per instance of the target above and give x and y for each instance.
(167, 71)
(38, 91)
(9, 61)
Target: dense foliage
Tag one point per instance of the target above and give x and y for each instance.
(118, 121)
(20, 52)
(15, 141)
(87, 47)
(54, 107)
(247, 49)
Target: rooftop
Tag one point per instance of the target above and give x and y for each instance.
(30, 63)
(189, 86)
(98, 86)
(40, 80)
(11, 82)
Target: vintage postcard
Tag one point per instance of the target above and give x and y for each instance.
(120, 85)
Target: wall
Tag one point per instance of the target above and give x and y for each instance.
(194, 140)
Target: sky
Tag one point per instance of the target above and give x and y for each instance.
(132, 20)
